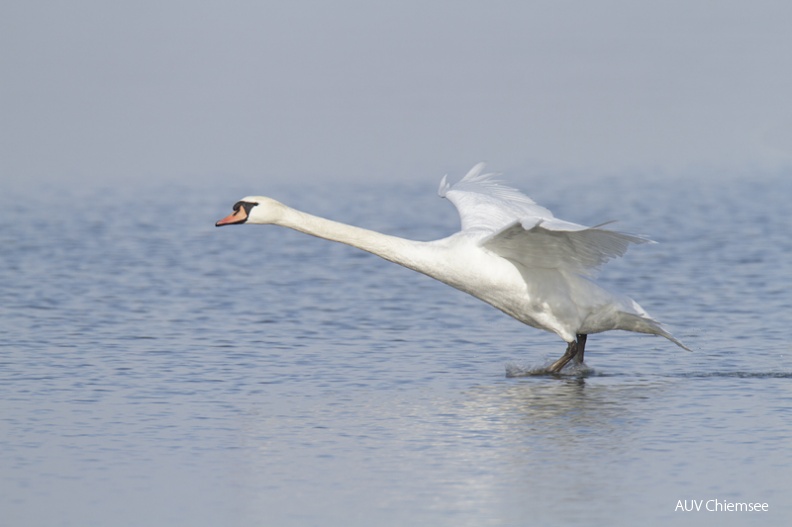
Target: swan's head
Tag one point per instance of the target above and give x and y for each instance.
(254, 209)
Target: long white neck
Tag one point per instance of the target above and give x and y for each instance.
(408, 253)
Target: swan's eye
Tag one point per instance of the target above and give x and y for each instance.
(247, 205)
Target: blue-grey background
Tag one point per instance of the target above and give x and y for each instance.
(119, 91)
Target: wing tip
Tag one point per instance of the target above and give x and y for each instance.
(477, 169)
(473, 174)
(444, 186)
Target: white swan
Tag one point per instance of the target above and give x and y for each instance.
(511, 253)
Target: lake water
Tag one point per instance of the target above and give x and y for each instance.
(155, 370)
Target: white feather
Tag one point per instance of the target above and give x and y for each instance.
(511, 224)
(486, 205)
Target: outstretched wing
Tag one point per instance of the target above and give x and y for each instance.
(558, 244)
(512, 225)
(485, 205)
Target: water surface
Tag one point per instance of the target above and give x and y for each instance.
(155, 370)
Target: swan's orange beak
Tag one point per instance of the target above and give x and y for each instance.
(238, 216)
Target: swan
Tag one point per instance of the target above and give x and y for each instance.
(510, 253)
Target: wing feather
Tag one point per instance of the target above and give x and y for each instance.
(486, 205)
(511, 224)
(558, 244)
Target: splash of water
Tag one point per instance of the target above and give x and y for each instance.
(571, 370)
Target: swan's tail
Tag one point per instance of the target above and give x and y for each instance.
(669, 336)
(644, 324)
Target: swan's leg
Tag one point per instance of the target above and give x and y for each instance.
(568, 355)
(581, 348)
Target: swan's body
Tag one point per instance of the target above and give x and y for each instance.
(511, 253)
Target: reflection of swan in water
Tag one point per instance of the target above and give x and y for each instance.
(510, 253)
(559, 408)
(541, 450)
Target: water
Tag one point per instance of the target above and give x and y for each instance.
(155, 370)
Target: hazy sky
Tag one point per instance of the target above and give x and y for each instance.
(113, 91)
